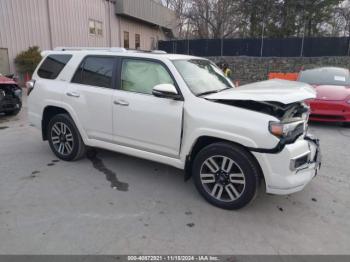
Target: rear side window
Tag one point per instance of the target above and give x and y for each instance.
(95, 71)
(53, 65)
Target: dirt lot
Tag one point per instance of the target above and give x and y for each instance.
(49, 206)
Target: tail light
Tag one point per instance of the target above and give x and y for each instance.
(30, 86)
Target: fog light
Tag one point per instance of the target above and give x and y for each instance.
(299, 161)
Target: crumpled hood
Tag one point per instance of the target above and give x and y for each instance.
(276, 90)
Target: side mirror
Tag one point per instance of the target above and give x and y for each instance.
(166, 91)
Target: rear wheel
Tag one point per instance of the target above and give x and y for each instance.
(64, 138)
(226, 175)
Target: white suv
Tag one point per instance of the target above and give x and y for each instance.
(181, 111)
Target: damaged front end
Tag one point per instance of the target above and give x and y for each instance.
(285, 113)
(284, 100)
(10, 98)
(292, 118)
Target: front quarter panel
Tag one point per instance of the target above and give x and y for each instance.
(207, 118)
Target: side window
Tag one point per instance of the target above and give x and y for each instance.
(53, 65)
(95, 71)
(141, 76)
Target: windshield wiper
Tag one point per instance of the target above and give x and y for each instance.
(213, 91)
(225, 89)
(208, 93)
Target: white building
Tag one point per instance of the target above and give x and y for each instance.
(134, 24)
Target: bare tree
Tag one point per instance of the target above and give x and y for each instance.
(344, 14)
(252, 18)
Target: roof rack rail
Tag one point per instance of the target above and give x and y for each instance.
(158, 52)
(111, 49)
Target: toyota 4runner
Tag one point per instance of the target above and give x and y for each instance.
(181, 111)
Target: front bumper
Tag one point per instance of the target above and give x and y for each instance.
(329, 111)
(8, 104)
(10, 101)
(293, 168)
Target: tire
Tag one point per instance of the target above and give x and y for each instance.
(231, 170)
(64, 138)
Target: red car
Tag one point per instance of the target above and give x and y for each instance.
(332, 85)
(10, 96)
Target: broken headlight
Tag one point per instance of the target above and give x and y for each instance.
(289, 132)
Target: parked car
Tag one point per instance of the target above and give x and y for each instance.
(10, 96)
(181, 111)
(332, 85)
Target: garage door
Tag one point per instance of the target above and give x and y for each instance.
(4, 61)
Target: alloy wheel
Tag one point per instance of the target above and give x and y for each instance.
(62, 138)
(222, 178)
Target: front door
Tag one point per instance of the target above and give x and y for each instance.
(141, 120)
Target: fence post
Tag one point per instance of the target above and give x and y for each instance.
(221, 47)
(188, 46)
(302, 46)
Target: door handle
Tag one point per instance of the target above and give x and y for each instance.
(121, 102)
(72, 94)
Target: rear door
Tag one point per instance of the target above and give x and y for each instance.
(90, 94)
(141, 120)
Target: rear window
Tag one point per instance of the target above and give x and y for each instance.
(95, 71)
(53, 65)
(326, 76)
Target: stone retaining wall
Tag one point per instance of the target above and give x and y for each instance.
(252, 69)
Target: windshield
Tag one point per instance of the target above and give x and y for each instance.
(202, 76)
(326, 76)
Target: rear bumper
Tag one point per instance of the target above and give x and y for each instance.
(329, 111)
(282, 174)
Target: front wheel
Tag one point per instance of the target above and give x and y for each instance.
(64, 138)
(226, 175)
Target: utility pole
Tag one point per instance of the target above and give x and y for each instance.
(349, 41)
(188, 40)
(262, 39)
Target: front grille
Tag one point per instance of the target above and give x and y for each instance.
(8, 102)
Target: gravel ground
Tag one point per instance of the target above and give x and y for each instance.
(49, 206)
